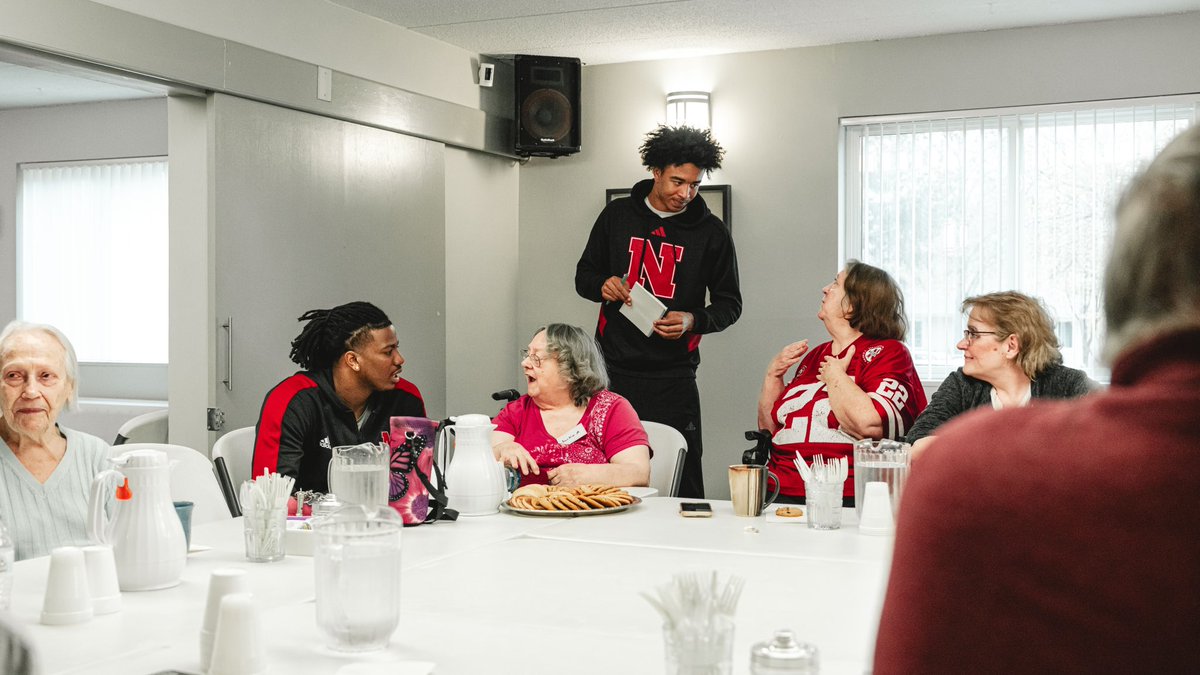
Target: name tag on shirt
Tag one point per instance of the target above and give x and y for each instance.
(572, 435)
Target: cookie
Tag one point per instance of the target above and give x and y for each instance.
(789, 512)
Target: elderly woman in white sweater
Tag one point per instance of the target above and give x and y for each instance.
(46, 471)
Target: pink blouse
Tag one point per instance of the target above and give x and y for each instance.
(609, 425)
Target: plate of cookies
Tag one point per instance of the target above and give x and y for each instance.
(564, 501)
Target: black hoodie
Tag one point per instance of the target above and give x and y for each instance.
(689, 254)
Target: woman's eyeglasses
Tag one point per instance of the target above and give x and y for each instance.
(535, 359)
(971, 335)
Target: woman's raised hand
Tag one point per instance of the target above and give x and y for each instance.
(512, 454)
(786, 358)
(833, 367)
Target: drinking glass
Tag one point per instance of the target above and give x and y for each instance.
(699, 648)
(824, 502)
(265, 526)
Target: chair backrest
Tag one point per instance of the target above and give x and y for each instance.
(192, 479)
(666, 466)
(148, 427)
(233, 453)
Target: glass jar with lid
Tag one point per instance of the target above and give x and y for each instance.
(784, 655)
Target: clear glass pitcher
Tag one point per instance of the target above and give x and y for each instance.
(357, 566)
(358, 474)
(885, 461)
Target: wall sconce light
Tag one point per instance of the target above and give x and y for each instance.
(689, 108)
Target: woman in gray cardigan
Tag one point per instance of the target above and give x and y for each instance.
(1010, 356)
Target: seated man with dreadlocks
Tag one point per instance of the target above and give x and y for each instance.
(348, 392)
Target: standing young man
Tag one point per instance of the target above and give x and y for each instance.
(664, 237)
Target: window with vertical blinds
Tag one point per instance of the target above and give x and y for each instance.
(958, 204)
(92, 256)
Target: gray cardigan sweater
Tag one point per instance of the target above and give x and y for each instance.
(959, 393)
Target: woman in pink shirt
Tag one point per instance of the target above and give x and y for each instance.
(569, 429)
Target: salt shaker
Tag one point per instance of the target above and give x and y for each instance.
(783, 655)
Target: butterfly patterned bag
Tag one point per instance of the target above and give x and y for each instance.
(415, 488)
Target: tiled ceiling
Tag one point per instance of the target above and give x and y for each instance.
(617, 31)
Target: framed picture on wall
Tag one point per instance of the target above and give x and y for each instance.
(718, 197)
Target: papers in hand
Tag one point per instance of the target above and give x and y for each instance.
(645, 310)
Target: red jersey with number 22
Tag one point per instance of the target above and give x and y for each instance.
(882, 368)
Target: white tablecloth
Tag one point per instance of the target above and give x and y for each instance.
(509, 594)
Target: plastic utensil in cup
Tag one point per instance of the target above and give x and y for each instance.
(824, 501)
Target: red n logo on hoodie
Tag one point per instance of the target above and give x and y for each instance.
(657, 270)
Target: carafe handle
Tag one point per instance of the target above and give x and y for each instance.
(99, 521)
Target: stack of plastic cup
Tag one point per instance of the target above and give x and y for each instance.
(67, 599)
(103, 586)
(877, 510)
(237, 645)
(223, 582)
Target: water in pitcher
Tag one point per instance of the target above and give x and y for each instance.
(358, 591)
(882, 461)
(364, 484)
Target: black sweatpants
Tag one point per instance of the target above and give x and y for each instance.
(674, 402)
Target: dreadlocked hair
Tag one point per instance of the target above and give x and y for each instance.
(332, 332)
(671, 146)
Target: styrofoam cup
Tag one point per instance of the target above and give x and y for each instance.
(222, 582)
(67, 598)
(102, 579)
(877, 510)
(237, 644)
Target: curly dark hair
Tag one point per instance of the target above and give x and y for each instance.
(671, 146)
(333, 332)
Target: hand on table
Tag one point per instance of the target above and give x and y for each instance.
(571, 474)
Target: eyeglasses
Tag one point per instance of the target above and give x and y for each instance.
(971, 335)
(535, 359)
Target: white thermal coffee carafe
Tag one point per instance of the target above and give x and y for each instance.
(144, 531)
(475, 481)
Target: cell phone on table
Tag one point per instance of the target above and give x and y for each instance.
(695, 509)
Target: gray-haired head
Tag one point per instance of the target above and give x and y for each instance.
(1152, 283)
(70, 363)
(580, 360)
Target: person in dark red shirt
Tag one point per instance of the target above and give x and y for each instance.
(1063, 537)
(348, 392)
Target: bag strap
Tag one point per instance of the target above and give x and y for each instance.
(438, 509)
(439, 501)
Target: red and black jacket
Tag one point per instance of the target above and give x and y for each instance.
(303, 418)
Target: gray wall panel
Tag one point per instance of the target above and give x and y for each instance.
(312, 212)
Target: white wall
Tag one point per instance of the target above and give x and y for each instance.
(777, 115)
(62, 133)
(320, 32)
